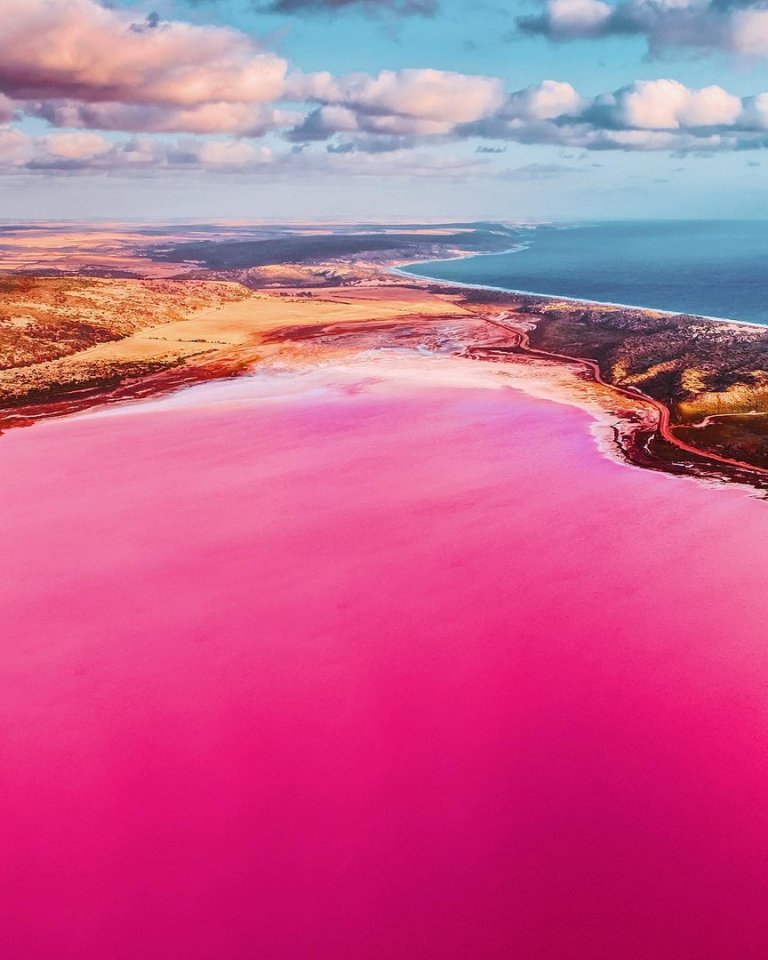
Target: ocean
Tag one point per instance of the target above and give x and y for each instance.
(716, 268)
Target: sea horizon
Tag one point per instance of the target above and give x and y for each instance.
(559, 261)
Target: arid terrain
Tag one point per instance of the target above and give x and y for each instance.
(91, 316)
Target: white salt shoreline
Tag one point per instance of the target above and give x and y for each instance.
(401, 272)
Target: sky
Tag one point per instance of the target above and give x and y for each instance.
(383, 109)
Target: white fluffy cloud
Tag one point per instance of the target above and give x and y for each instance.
(547, 100)
(86, 153)
(75, 146)
(577, 17)
(82, 50)
(239, 119)
(88, 69)
(15, 148)
(436, 95)
(232, 153)
(669, 105)
(414, 103)
(748, 32)
(739, 27)
(646, 115)
(657, 115)
(82, 65)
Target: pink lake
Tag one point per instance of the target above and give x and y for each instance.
(383, 674)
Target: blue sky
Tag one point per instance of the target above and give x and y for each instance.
(468, 37)
(348, 109)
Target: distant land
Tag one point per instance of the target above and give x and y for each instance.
(103, 312)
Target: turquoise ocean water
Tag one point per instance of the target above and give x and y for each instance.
(715, 268)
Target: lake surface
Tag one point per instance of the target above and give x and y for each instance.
(331, 668)
(714, 268)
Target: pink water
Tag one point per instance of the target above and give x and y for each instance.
(380, 676)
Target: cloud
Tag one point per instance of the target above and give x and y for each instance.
(363, 136)
(367, 144)
(82, 65)
(394, 103)
(536, 171)
(736, 26)
(76, 146)
(84, 153)
(438, 95)
(7, 109)
(646, 115)
(564, 19)
(547, 100)
(232, 153)
(240, 119)
(78, 49)
(323, 122)
(669, 105)
(15, 148)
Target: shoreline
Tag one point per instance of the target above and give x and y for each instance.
(713, 465)
(703, 417)
(558, 297)
(372, 315)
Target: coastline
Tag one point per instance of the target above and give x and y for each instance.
(755, 474)
(401, 271)
(668, 400)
